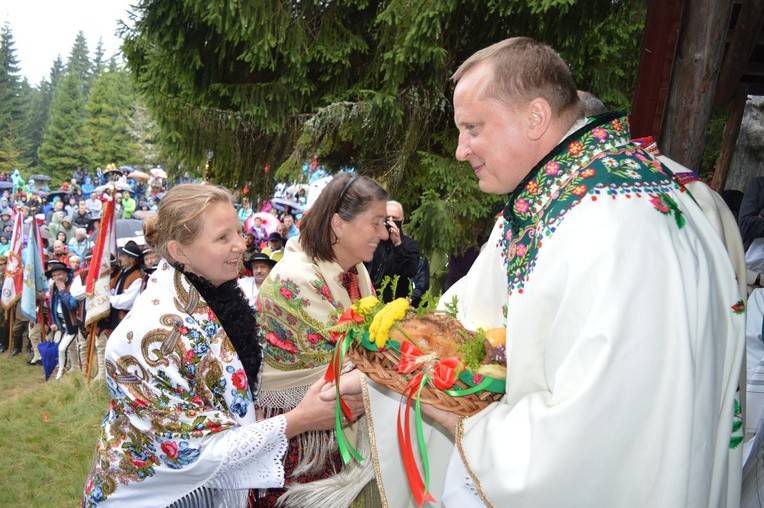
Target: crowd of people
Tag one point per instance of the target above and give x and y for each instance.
(618, 278)
(69, 220)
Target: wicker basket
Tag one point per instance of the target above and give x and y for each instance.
(381, 367)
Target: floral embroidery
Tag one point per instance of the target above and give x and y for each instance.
(601, 161)
(292, 339)
(666, 205)
(575, 148)
(739, 307)
(737, 425)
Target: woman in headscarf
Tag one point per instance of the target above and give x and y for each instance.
(320, 275)
(183, 370)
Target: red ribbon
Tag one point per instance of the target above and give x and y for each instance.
(409, 355)
(446, 371)
(419, 488)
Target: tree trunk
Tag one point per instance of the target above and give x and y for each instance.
(694, 78)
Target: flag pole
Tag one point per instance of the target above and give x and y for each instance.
(11, 313)
(91, 341)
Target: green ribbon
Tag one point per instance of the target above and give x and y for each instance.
(347, 450)
(420, 436)
(469, 391)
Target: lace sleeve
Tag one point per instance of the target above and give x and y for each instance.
(253, 458)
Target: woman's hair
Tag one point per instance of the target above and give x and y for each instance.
(180, 215)
(58, 235)
(349, 195)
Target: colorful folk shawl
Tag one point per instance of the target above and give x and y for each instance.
(181, 427)
(297, 303)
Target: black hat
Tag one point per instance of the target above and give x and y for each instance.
(54, 266)
(275, 236)
(132, 249)
(260, 257)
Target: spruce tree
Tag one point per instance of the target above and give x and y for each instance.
(14, 93)
(108, 126)
(79, 63)
(64, 146)
(98, 65)
(362, 83)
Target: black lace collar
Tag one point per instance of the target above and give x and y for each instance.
(238, 320)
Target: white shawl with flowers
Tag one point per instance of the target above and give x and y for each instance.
(181, 426)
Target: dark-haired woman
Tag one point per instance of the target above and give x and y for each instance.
(183, 371)
(321, 274)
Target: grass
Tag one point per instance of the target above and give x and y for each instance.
(48, 432)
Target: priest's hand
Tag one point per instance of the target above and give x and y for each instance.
(445, 419)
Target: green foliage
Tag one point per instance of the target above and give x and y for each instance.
(64, 146)
(109, 126)
(472, 350)
(361, 83)
(11, 153)
(14, 98)
(712, 144)
(79, 63)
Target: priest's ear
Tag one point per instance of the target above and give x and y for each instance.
(538, 118)
(176, 250)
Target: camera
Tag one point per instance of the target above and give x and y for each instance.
(387, 224)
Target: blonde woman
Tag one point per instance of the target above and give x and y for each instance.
(183, 370)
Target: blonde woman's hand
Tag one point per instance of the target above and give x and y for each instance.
(313, 413)
(350, 384)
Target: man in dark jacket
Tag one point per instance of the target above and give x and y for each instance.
(751, 216)
(63, 315)
(399, 255)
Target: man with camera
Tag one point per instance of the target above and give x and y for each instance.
(398, 255)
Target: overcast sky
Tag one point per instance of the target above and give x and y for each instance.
(45, 29)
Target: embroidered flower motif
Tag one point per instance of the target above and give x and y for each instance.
(587, 173)
(239, 405)
(739, 307)
(201, 349)
(286, 293)
(616, 125)
(239, 379)
(521, 250)
(190, 355)
(532, 187)
(552, 168)
(313, 338)
(210, 328)
(667, 206)
(521, 206)
(170, 448)
(633, 174)
(610, 162)
(286, 345)
(575, 148)
(599, 133)
(579, 190)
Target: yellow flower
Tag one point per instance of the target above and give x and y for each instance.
(365, 305)
(385, 319)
